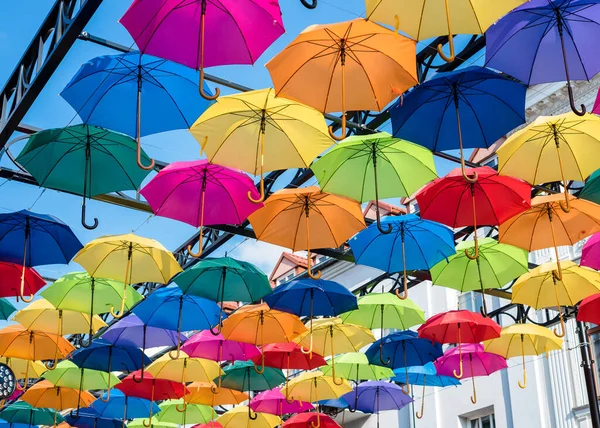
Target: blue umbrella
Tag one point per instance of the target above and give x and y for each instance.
(412, 244)
(89, 418)
(116, 91)
(4, 424)
(338, 403)
(121, 406)
(375, 396)
(32, 239)
(194, 313)
(469, 108)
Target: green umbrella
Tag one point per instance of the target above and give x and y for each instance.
(154, 423)
(496, 266)
(68, 375)
(355, 366)
(23, 413)
(6, 309)
(84, 160)
(353, 167)
(80, 292)
(224, 279)
(591, 190)
(193, 413)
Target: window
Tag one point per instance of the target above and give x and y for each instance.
(487, 421)
(470, 301)
(492, 163)
(286, 278)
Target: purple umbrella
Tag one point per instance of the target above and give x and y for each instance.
(275, 403)
(204, 33)
(527, 42)
(480, 363)
(205, 345)
(375, 396)
(590, 254)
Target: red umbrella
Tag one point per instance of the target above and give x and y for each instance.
(589, 309)
(303, 420)
(10, 280)
(459, 327)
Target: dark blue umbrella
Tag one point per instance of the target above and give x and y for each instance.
(121, 406)
(375, 396)
(104, 356)
(469, 108)
(338, 403)
(89, 418)
(31, 239)
(136, 94)
(412, 244)
(4, 424)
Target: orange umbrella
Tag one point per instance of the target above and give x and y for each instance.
(290, 217)
(202, 393)
(375, 64)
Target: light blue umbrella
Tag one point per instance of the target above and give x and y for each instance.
(121, 406)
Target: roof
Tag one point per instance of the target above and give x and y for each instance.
(482, 155)
(384, 209)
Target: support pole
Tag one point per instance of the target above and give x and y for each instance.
(587, 364)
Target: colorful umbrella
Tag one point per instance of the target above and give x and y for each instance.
(6, 309)
(591, 189)
(356, 366)
(421, 244)
(542, 32)
(154, 423)
(32, 239)
(203, 393)
(376, 396)
(130, 259)
(590, 253)
(275, 403)
(23, 368)
(116, 405)
(376, 63)
(288, 356)
(180, 190)
(290, 215)
(88, 418)
(311, 419)
(589, 309)
(351, 169)
(203, 33)
(131, 331)
(115, 91)
(24, 413)
(11, 275)
(170, 411)
(206, 345)
(523, 339)
(258, 132)
(240, 416)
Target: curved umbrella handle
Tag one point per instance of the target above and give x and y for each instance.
(177, 352)
(26, 379)
(335, 381)
(141, 379)
(310, 347)
(200, 249)
(262, 351)
(219, 326)
(318, 424)
(261, 197)
(201, 84)
(405, 283)
(572, 101)
(344, 130)
(420, 416)
(381, 360)
(474, 396)
(121, 311)
(566, 205)
(383, 231)
(524, 384)
(262, 367)
(562, 331)
(151, 403)
(404, 279)
(309, 5)
(184, 408)
(107, 392)
(83, 222)
(251, 415)
(216, 389)
(309, 266)
(450, 40)
(21, 294)
(406, 388)
(139, 158)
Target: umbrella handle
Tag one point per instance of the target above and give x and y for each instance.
(201, 235)
(343, 136)
(199, 253)
(559, 22)
(310, 348)
(26, 379)
(460, 367)
(250, 415)
(308, 252)
(83, 222)
(219, 326)
(201, 81)
(21, 294)
(404, 279)
(572, 101)
(450, 40)
(309, 4)
(262, 351)
(121, 311)
(139, 158)
(177, 352)
(381, 360)
(420, 416)
(387, 230)
(524, 384)
(181, 410)
(562, 331)
(151, 403)
(312, 424)
(107, 392)
(474, 396)
(261, 197)
(141, 379)
(343, 67)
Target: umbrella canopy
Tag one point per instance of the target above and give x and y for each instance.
(289, 356)
(23, 369)
(591, 189)
(589, 309)
(11, 275)
(376, 396)
(18, 342)
(131, 331)
(590, 253)
(6, 309)
(240, 416)
(184, 369)
(88, 418)
(404, 349)
(24, 413)
(356, 366)
(119, 406)
(206, 345)
(242, 376)
(68, 375)
(45, 395)
(426, 375)
(275, 403)
(316, 66)
(311, 419)
(154, 423)
(207, 393)
(314, 386)
(170, 411)
(105, 356)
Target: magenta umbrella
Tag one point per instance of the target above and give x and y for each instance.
(180, 191)
(590, 254)
(275, 403)
(204, 33)
(206, 345)
(480, 363)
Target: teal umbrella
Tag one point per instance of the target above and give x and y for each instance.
(23, 413)
(591, 190)
(84, 160)
(6, 309)
(223, 280)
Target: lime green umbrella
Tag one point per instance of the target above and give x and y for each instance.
(367, 167)
(193, 413)
(154, 423)
(80, 292)
(355, 366)
(68, 375)
(23, 413)
(84, 160)
(496, 266)
(6, 309)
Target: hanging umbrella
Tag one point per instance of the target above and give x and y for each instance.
(88, 418)
(468, 108)
(240, 416)
(203, 393)
(310, 298)
(523, 339)
(203, 33)
(154, 423)
(590, 253)
(77, 159)
(116, 405)
(11, 275)
(290, 215)
(170, 411)
(224, 280)
(130, 259)
(258, 132)
(6, 309)
(23, 369)
(403, 169)
(377, 64)
(591, 189)
(422, 19)
(589, 309)
(497, 265)
(206, 345)
(355, 366)
(376, 396)
(24, 413)
(412, 244)
(490, 200)
(179, 192)
(311, 419)
(275, 403)
(553, 148)
(117, 91)
(32, 239)
(131, 331)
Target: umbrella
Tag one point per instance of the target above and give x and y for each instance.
(421, 244)
(375, 396)
(303, 420)
(552, 148)
(468, 108)
(523, 339)
(170, 411)
(24, 413)
(131, 331)
(356, 366)
(202, 33)
(6, 309)
(130, 259)
(117, 405)
(490, 200)
(422, 19)
(10, 278)
(497, 265)
(459, 326)
(542, 32)
(154, 423)
(404, 168)
(194, 313)
(275, 403)
(309, 297)
(290, 215)
(224, 280)
(179, 192)
(88, 418)
(78, 291)
(383, 310)
(22, 368)
(591, 189)
(115, 91)
(376, 63)
(258, 132)
(590, 253)
(240, 416)
(77, 159)
(589, 309)
(205, 345)
(203, 393)
(33, 239)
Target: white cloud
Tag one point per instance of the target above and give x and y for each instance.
(261, 254)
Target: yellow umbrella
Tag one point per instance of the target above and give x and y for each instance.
(539, 288)
(291, 216)
(238, 417)
(130, 259)
(424, 19)
(314, 69)
(523, 339)
(258, 132)
(23, 368)
(203, 393)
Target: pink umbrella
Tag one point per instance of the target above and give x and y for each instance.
(205, 345)
(204, 33)
(275, 403)
(179, 192)
(590, 254)
(481, 363)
